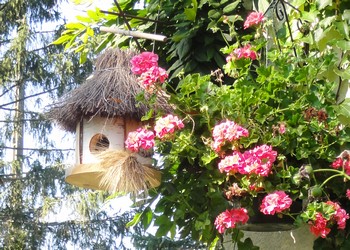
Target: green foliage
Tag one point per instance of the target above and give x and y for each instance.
(298, 92)
(194, 28)
(298, 84)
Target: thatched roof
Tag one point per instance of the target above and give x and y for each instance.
(110, 92)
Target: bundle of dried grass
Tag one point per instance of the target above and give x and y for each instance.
(127, 172)
(116, 171)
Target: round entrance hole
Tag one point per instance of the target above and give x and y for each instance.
(98, 143)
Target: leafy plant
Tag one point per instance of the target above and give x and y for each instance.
(275, 132)
(278, 103)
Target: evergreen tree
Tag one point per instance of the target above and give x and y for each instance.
(33, 192)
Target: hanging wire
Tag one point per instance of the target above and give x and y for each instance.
(156, 25)
(127, 23)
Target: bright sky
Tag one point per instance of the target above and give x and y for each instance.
(71, 10)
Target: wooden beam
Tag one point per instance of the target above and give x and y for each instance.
(138, 34)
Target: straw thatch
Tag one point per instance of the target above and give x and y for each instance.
(110, 92)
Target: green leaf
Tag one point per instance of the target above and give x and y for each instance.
(191, 14)
(263, 5)
(323, 3)
(147, 217)
(78, 2)
(164, 224)
(343, 28)
(346, 15)
(79, 48)
(134, 221)
(75, 26)
(89, 31)
(231, 7)
(83, 19)
(173, 231)
(310, 16)
(344, 74)
(148, 115)
(213, 244)
(83, 56)
(93, 14)
(102, 45)
(207, 158)
(62, 39)
(343, 111)
(183, 49)
(322, 37)
(214, 14)
(343, 45)
(181, 34)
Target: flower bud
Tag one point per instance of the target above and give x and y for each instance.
(316, 191)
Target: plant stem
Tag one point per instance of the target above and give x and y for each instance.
(328, 179)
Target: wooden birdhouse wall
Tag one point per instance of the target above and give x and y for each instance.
(96, 135)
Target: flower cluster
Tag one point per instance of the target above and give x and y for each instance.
(227, 131)
(141, 138)
(324, 219)
(276, 202)
(343, 161)
(319, 226)
(146, 65)
(230, 218)
(167, 125)
(256, 161)
(143, 62)
(254, 18)
(243, 52)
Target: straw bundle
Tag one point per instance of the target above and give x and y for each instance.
(127, 173)
(116, 171)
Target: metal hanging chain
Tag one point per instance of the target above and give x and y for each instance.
(279, 8)
(127, 23)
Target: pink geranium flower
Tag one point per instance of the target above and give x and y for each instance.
(282, 128)
(143, 62)
(347, 167)
(319, 226)
(258, 160)
(152, 76)
(253, 18)
(348, 194)
(231, 163)
(227, 131)
(244, 52)
(230, 218)
(141, 138)
(167, 125)
(275, 202)
(338, 163)
(340, 215)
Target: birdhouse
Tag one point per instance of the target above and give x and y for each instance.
(101, 112)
